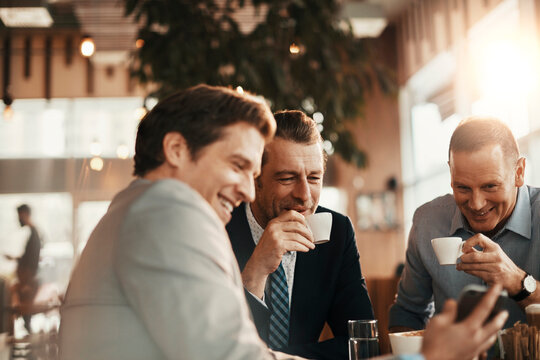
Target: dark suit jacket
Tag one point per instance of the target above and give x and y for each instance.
(328, 287)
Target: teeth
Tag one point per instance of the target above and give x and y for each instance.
(228, 205)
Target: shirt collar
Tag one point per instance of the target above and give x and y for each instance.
(519, 222)
(256, 229)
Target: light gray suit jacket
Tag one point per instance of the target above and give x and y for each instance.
(158, 280)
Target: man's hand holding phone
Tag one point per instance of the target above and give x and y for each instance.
(471, 295)
(447, 339)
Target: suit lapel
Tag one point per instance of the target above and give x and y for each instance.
(240, 235)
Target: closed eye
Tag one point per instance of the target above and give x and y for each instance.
(240, 163)
(286, 180)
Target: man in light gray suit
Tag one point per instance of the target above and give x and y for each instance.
(158, 279)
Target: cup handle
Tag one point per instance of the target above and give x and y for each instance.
(461, 249)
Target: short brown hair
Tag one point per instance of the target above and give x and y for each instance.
(200, 114)
(473, 133)
(294, 125)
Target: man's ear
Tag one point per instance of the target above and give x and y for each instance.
(520, 172)
(175, 149)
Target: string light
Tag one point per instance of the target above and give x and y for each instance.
(122, 151)
(95, 148)
(8, 113)
(87, 46)
(139, 113)
(96, 163)
(318, 117)
(294, 49)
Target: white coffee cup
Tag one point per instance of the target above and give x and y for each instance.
(409, 342)
(320, 225)
(447, 249)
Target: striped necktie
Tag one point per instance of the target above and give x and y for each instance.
(278, 334)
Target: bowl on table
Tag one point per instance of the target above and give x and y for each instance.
(408, 342)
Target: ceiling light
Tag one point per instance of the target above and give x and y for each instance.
(8, 110)
(26, 17)
(367, 20)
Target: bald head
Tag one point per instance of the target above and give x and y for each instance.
(475, 133)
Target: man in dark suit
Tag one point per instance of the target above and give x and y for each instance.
(270, 236)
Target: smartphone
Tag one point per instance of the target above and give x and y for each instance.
(471, 295)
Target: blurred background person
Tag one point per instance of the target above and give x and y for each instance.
(25, 289)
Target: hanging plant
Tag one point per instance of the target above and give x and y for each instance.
(297, 54)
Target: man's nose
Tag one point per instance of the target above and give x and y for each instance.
(477, 200)
(247, 189)
(301, 190)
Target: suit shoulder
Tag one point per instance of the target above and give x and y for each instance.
(170, 191)
(178, 198)
(173, 210)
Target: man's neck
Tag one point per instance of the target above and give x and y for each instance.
(257, 214)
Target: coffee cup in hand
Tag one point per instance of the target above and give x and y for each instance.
(447, 249)
(320, 225)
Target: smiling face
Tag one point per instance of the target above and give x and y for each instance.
(485, 186)
(223, 172)
(291, 179)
